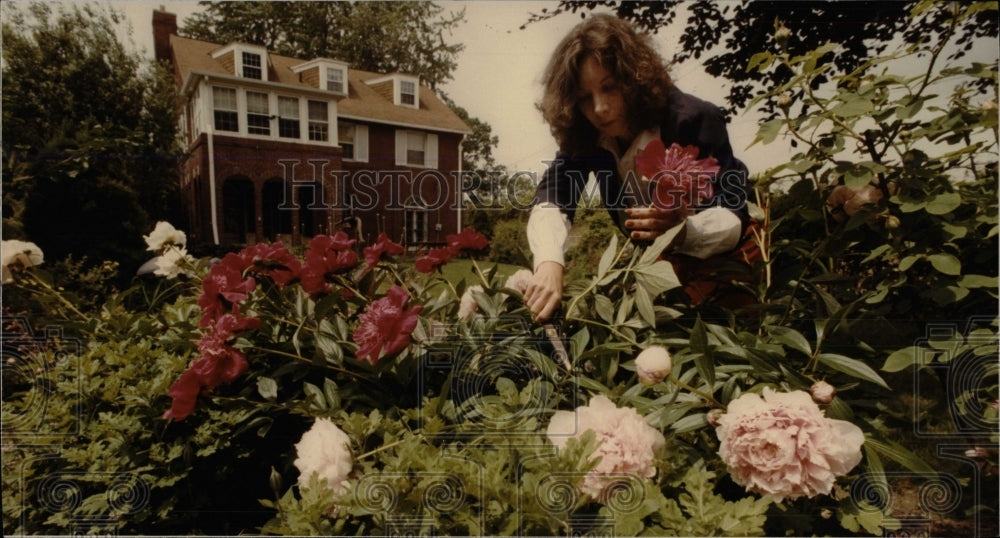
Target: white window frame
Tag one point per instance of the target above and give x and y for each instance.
(266, 114)
(297, 117)
(235, 111)
(244, 65)
(430, 148)
(237, 50)
(310, 120)
(341, 85)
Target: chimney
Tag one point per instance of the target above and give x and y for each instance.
(164, 25)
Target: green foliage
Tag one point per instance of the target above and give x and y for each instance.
(595, 230)
(509, 243)
(383, 37)
(89, 135)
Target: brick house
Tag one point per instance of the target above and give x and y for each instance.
(283, 148)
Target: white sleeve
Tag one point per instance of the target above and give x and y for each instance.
(547, 230)
(713, 231)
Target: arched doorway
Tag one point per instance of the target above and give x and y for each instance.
(277, 207)
(238, 210)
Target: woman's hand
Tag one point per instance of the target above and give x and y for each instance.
(648, 223)
(545, 290)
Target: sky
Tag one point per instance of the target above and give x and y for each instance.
(499, 71)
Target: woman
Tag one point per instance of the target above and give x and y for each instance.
(607, 93)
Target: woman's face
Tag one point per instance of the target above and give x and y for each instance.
(600, 99)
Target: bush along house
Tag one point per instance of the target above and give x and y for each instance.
(284, 148)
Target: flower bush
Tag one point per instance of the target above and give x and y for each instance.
(335, 390)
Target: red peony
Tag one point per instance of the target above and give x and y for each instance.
(434, 259)
(223, 289)
(273, 260)
(185, 392)
(385, 326)
(468, 239)
(327, 255)
(681, 179)
(383, 245)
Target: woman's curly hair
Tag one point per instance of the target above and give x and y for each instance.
(628, 55)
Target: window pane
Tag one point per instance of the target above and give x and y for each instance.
(258, 117)
(288, 107)
(224, 104)
(334, 79)
(407, 92)
(318, 122)
(345, 132)
(252, 66)
(288, 117)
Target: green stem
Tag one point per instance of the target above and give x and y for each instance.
(707, 397)
(58, 295)
(606, 326)
(379, 449)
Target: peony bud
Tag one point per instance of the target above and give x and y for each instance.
(784, 100)
(822, 392)
(826, 513)
(713, 416)
(653, 365)
(782, 34)
(836, 200)
(892, 222)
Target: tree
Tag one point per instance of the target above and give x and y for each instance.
(382, 37)
(862, 30)
(89, 135)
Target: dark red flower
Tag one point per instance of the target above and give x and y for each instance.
(468, 239)
(185, 393)
(681, 179)
(273, 260)
(327, 255)
(385, 326)
(223, 289)
(219, 363)
(434, 259)
(383, 245)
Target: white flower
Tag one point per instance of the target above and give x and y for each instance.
(324, 450)
(164, 234)
(519, 280)
(626, 444)
(781, 444)
(467, 306)
(653, 365)
(15, 253)
(173, 262)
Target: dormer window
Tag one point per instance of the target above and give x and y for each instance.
(252, 66)
(243, 60)
(407, 92)
(335, 79)
(404, 90)
(323, 73)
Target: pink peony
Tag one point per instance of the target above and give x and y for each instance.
(385, 326)
(681, 178)
(627, 445)
(822, 392)
(435, 258)
(781, 444)
(519, 280)
(468, 239)
(467, 305)
(325, 450)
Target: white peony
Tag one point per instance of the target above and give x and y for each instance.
(163, 235)
(324, 450)
(15, 253)
(626, 444)
(173, 262)
(653, 365)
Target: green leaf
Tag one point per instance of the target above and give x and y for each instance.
(769, 131)
(942, 204)
(760, 61)
(607, 257)
(314, 396)
(902, 456)
(853, 105)
(790, 338)
(946, 263)
(332, 393)
(644, 303)
(978, 281)
(851, 367)
(657, 278)
(652, 253)
(901, 359)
